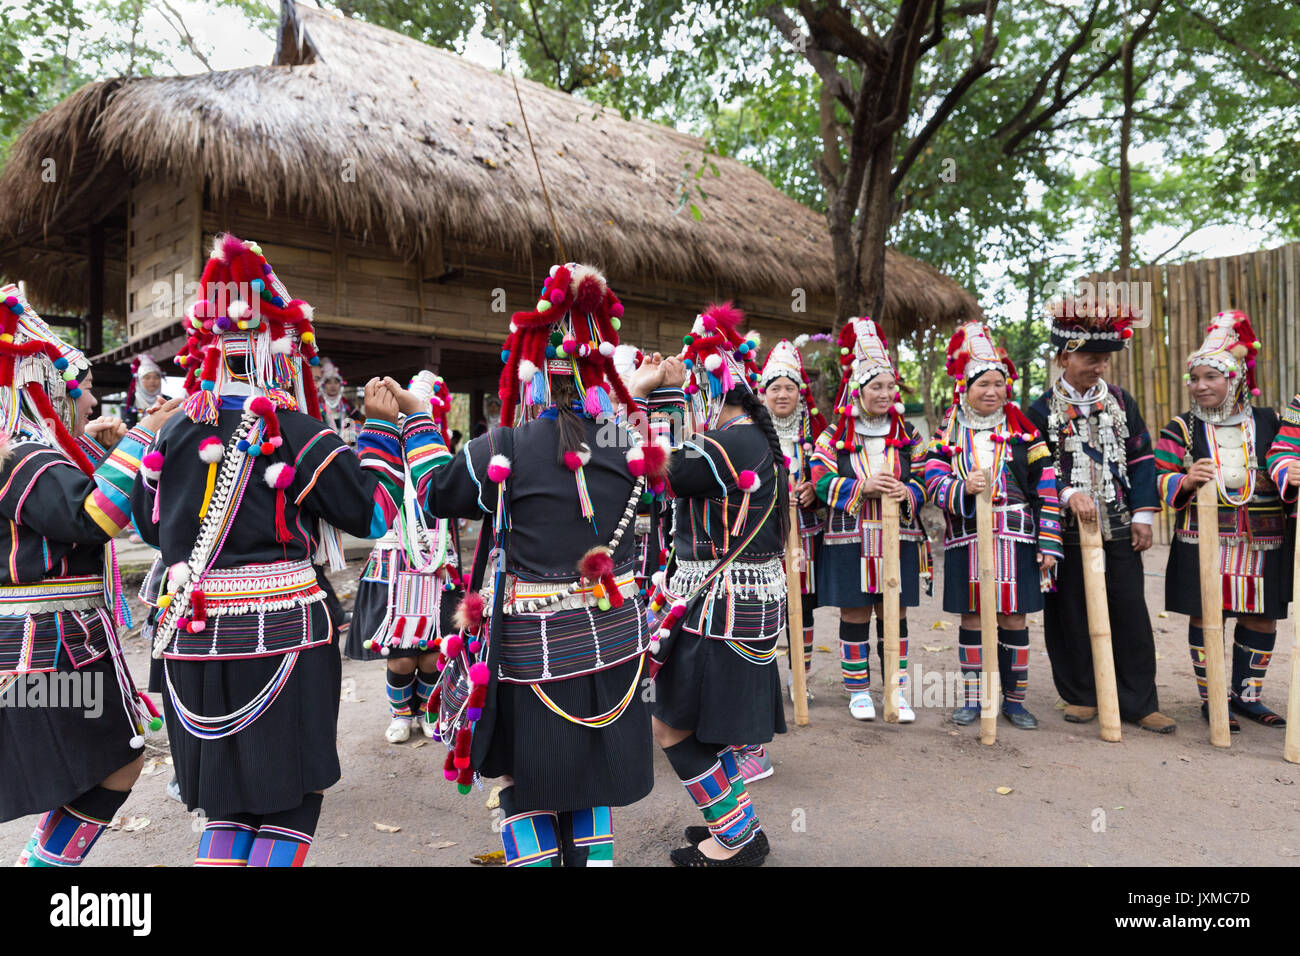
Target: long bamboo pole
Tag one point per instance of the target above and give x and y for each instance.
(1216, 680)
(1093, 561)
(990, 691)
(794, 617)
(1291, 749)
(891, 581)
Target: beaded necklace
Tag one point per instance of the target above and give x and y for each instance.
(1247, 431)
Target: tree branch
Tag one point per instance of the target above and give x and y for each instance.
(1268, 65)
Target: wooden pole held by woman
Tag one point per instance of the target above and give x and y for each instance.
(794, 616)
(1216, 678)
(1093, 559)
(891, 582)
(990, 677)
(1291, 749)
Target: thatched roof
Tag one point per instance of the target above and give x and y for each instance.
(437, 147)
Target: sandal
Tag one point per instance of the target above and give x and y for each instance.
(1254, 710)
(752, 853)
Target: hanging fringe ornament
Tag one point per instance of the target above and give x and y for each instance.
(279, 476)
(202, 406)
(210, 451)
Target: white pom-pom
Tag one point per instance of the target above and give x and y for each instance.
(899, 407)
(584, 454)
(554, 269)
(137, 742)
(307, 311)
(238, 309)
(657, 579)
(607, 348)
(635, 453)
(526, 370)
(273, 472)
(211, 453)
(248, 403)
(654, 646)
(513, 328)
(281, 346)
(713, 362)
(178, 574)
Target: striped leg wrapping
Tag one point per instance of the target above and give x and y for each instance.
(1196, 644)
(279, 847)
(225, 843)
(855, 665)
(65, 838)
(1250, 662)
(593, 829)
(970, 657)
(530, 839)
(1013, 663)
(401, 691)
(26, 854)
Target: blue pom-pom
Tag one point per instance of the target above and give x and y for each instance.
(277, 301)
(315, 360)
(689, 363)
(207, 386)
(253, 451)
(550, 351)
(60, 363)
(257, 285)
(16, 309)
(74, 393)
(242, 445)
(505, 355)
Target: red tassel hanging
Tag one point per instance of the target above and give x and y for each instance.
(279, 476)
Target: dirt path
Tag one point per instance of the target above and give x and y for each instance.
(844, 792)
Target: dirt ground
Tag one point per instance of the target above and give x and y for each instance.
(844, 792)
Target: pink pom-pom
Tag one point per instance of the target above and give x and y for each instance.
(197, 626)
(616, 310)
(636, 461)
(279, 476)
(479, 674)
(556, 296)
(153, 460)
(498, 468)
(474, 646)
(452, 645)
(261, 405)
(748, 481)
(709, 323)
(1255, 392)
(450, 774)
(572, 460)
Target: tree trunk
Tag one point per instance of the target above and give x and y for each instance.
(875, 213)
(1124, 205)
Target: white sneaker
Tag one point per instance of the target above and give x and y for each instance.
(399, 731)
(905, 713)
(789, 688)
(429, 725)
(861, 707)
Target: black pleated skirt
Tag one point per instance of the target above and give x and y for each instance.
(50, 755)
(839, 576)
(289, 751)
(1183, 582)
(707, 687)
(558, 765)
(957, 583)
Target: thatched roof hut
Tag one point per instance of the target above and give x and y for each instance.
(382, 174)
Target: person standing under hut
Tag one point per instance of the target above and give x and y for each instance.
(984, 432)
(1105, 471)
(869, 453)
(406, 599)
(144, 391)
(237, 494)
(61, 598)
(543, 686)
(1225, 439)
(336, 411)
(723, 601)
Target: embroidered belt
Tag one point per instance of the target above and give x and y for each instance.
(81, 593)
(518, 592)
(261, 587)
(763, 580)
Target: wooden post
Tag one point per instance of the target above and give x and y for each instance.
(1093, 560)
(794, 617)
(1216, 680)
(990, 677)
(890, 583)
(1291, 750)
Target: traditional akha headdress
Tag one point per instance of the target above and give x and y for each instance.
(329, 370)
(864, 354)
(718, 358)
(1230, 346)
(141, 366)
(246, 336)
(785, 361)
(1086, 325)
(971, 353)
(39, 373)
(570, 334)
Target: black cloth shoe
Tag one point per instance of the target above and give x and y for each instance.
(1233, 726)
(752, 853)
(1021, 718)
(697, 835)
(1254, 710)
(965, 716)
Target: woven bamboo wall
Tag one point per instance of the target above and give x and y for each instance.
(1183, 298)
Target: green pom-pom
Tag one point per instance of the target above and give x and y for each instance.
(603, 604)
(616, 324)
(844, 350)
(156, 724)
(647, 497)
(687, 339)
(557, 338)
(463, 788)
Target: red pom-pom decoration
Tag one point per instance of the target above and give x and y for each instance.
(479, 674)
(748, 481)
